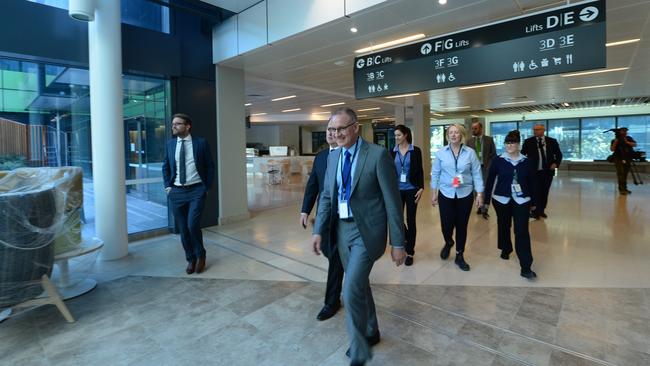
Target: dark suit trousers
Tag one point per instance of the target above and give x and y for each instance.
(454, 214)
(334, 278)
(187, 207)
(506, 214)
(408, 200)
(622, 171)
(544, 181)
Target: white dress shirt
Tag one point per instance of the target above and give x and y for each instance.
(191, 174)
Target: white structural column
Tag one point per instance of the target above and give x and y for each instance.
(107, 128)
(231, 145)
(421, 128)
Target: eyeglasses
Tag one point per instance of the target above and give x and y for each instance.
(340, 129)
(511, 142)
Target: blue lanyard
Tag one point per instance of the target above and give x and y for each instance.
(399, 156)
(456, 157)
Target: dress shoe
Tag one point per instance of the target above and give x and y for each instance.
(356, 363)
(534, 216)
(409, 260)
(528, 274)
(372, 341)
(460, 262)
(200, 267)
(628, 191)
(505, 255)
(328, 311)
(444, 253)
(191, 266)
(544, 215)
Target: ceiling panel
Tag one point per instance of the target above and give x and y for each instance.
(304, 64)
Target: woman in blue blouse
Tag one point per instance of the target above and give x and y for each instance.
(514, 177)
(410, 178)
(455, 174)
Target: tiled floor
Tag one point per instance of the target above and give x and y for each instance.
(257, 301)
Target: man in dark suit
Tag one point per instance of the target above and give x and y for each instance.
(358, 206)
(485, 152)
(188, 172)
(545, 155)
(314, 187)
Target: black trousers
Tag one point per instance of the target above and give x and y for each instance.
(187, 206)
(622, 170)
(334, 279)
(454, 214)
(408, 200)
(519, 214)
(544, 181)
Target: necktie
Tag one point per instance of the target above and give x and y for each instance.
(478, 148)
(181, 163)
(345, 176)
(540, 145)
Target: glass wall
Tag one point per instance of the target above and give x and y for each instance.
(594, 144)
(581, 138)
(45, 121)
(437, 139)
(567, 134)
(499, 132)
(140, 13)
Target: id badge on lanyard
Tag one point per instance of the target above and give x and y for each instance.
(457, 180)
(402, 177)
(343, 209)
(516, 189)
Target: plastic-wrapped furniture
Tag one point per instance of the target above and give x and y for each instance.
(36, 206)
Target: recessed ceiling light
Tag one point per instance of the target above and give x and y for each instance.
(321, 113)
(489, 110)
(565, 104)
(283, 98)
(332, 104)
(248, 104)
(618, 43)
(368, 109)
(362, 115)
(402, 95)
(442, 2)
(595, 86)
(354, 30)
(473, 115)
(482, 86)
(291, 110)
(340, 63)
(522, 102)
(390, 43)
(438, 114)
(594, 72)
(258, 114)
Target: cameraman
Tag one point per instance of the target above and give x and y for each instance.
(623, 150)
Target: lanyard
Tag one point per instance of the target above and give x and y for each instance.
(456, 157)
(399, 156)
(345, 180)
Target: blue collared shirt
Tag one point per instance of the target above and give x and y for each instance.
(503, 199)
(446, 167)
(403, 165)
(355, 157)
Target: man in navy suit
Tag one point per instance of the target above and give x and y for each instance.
(188, 172)
(313, 189)
(545, 155)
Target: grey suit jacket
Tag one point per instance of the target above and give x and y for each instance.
(489, 152)
(375, 201)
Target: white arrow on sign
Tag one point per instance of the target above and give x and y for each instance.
(426, 48)
(588, 14)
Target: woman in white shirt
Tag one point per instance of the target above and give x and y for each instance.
(455, 174)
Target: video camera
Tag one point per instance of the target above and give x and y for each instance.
(617, 131)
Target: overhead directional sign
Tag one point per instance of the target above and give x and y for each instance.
(565, 39)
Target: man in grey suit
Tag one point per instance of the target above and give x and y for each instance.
(359, 204)
(485, 152)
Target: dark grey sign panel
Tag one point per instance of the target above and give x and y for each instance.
(558, 41)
